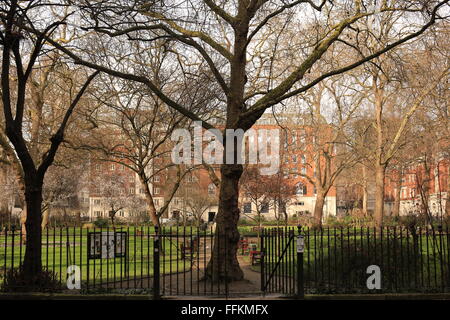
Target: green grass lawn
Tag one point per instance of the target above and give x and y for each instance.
(64, 247)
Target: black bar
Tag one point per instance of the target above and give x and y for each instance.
(148, 258)
(300, 280)
(262, 261)
(156, 271)
(12, 249)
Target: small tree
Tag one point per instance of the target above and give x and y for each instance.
(198, 200)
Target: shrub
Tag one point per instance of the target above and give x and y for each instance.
(45, 281)
(101, 223)
(341, 266)
(247, 222)
(333, 221)
(412, 222)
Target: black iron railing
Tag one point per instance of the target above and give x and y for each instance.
(177, 260)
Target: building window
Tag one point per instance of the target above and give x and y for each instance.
(303, 170)
(156, 190)
(303, 159)
(300, 189)
(112, 167)
(131, 190)
(131, 178)
(156, 178)
(403, 192)
(294, 158)
(211, 189)
(265, 207)
(247, 207)
(97, 201)
(98, 167)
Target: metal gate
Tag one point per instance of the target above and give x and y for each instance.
(282, 261)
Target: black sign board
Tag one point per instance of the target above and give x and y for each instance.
(107, 245)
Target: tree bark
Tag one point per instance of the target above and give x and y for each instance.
(45, 217)
(447, 201)
(379, 195)
(318, 209)
(150, 203)
(32, 263)
(23, 220)
(224, 264)
(365, 192)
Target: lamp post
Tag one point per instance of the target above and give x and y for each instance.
(300, 250)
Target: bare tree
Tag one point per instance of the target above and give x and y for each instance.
(326, 136)
(231, 40)
(390, 131)
(61, 187)
(256, 190)
(198, 201)
(115, 193)
(20, 52)
(134, 130)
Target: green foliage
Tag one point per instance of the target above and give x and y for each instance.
(343, 263)
(247, 222)
(101, 223)
(45, 281)
(333, 221)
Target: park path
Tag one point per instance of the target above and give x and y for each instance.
(191, 283)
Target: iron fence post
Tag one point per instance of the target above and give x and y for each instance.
(156, 271)
(300, 279)
(263, 288)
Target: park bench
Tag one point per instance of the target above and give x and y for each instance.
(243, 245)
(255, 254)
(188, 249)
(257, 229)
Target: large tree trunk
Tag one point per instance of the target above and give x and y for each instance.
(318, 209)
(447, 201)
(224, 264)
(365, 200)
(379, 195)
(23, 220)
(32, 263)
(365, 196)
(45, 218)
(150, 203)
